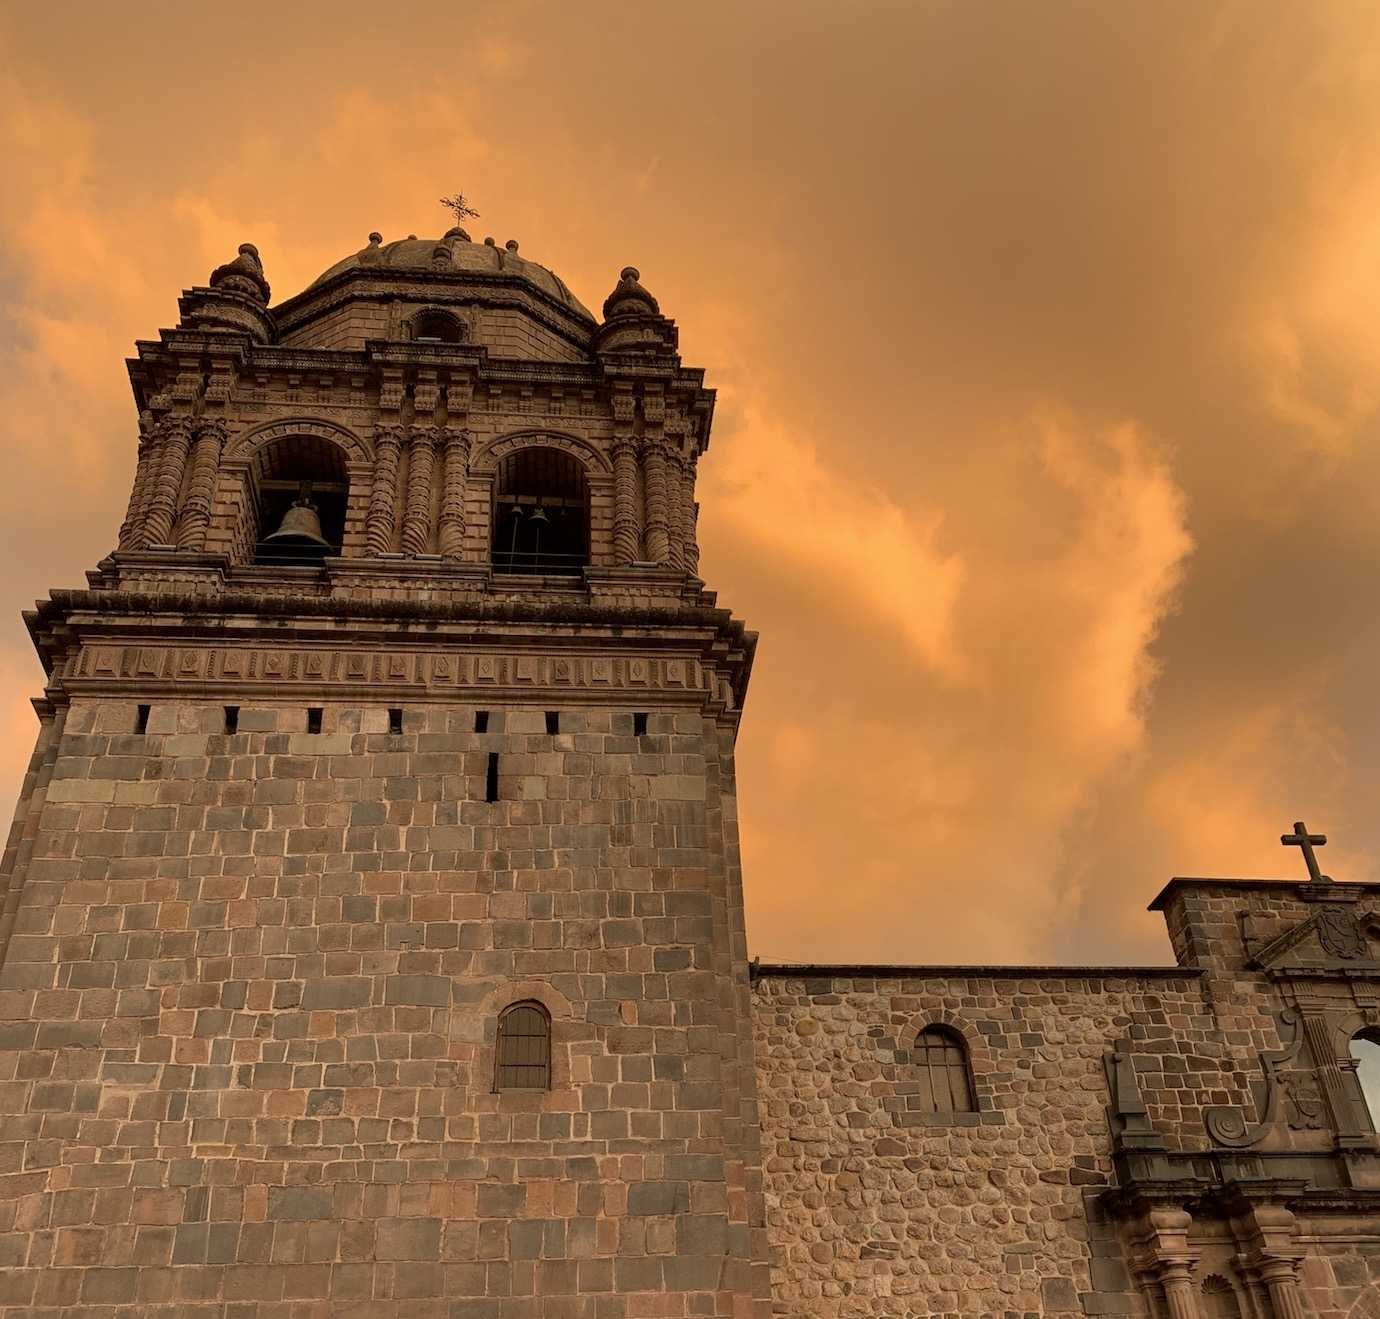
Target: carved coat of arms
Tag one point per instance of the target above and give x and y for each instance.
(1339, 933)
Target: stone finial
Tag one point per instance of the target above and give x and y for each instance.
(375, 238)
(630, 298)
(512, 245)
(245, 274)
(455, 231)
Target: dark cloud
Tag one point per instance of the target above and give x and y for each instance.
(1046, 458)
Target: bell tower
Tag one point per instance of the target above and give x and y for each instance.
(372, 934)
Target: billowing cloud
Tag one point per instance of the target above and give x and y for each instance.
(1047, 458)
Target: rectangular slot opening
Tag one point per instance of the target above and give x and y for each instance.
(141, 718)
(481, 721)
(314, 719)
(491, 778)
(553, 721)
(395, 721)
(232, 719)
(640, 724)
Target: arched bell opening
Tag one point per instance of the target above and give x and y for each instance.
(300, 491)
(541, 513)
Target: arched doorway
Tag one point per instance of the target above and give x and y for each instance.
(291, 479)
(541, 513)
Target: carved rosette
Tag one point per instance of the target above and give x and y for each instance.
(654, 477)
(627, 531)
(456, 444)
(416, 530)
(201, 489)
(378, 522)
(131, 534)
(167, 485)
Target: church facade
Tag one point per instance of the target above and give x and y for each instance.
(372, 934)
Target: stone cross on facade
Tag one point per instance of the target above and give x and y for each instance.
(1306, 842)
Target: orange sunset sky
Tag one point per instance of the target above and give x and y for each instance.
(1047, 347)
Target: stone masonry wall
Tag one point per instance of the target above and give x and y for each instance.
(248, 1011)
(872, 1212)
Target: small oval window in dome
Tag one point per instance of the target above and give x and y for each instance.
(434, 326)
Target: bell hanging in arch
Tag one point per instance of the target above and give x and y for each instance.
(301, 525)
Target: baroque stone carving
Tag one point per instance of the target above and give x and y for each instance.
(1339, 933)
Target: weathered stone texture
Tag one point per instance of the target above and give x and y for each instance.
(249, 1006)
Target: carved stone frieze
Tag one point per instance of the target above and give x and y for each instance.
(360, 667)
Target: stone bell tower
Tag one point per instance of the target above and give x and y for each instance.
(372, 938)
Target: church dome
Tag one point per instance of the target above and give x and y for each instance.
(454, 253)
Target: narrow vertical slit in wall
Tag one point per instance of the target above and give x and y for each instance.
(314, 720)
(481, 721)
(491, 778)
(640, 724)
(395, 721)
(232, 719)
(553, 721)
(141, 719)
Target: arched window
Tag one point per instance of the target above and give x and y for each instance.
(437, 326)
(1365, 1048)
(941, 1067)
(1219, 1299)
(541, 513)
(523, 1052)
(300, 489)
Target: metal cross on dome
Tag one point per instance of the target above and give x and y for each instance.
(461, 207)
(1306, 842)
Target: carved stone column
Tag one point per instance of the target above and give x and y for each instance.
(1180, 1295)
(131, 535)
(457, 458)
(1165, 1261)
(378, 522)
(657, 544)
(416, 530)
(627, 526)
(692, 518)
(201, 490)
(1350, 1126)
(167, 485)
(1272, 1234)
(677, 482)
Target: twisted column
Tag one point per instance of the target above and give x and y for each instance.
(378, 522)
(131, 534)
(457, 457)
(167, 485)
(627, 529)
(678, 485)
(416, 530)
(658, 543)
(692, 518)
(201, 489)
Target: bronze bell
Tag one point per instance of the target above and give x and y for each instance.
(301, 526)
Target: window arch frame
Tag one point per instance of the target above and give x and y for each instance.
(941, 1049)
(1370, 1035)
(436, 317)
(543, 1015)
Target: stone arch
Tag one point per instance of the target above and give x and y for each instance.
(244, 445)
(565, 1028)
(487, 458)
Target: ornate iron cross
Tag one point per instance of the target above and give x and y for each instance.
(462, 209)
(1306, 842)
